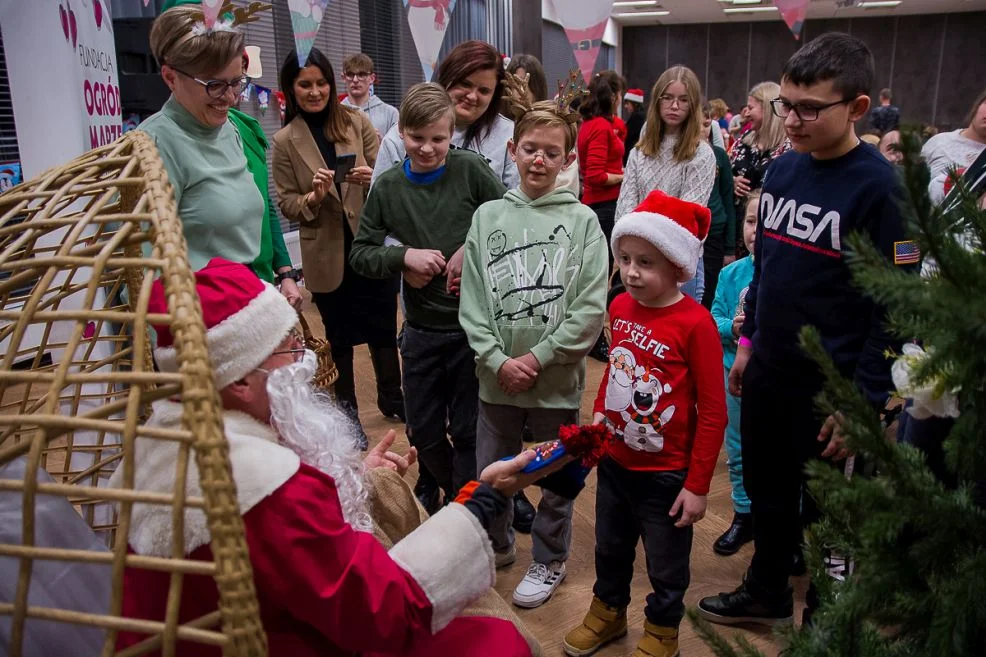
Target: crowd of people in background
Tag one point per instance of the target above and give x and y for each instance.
(512, 227)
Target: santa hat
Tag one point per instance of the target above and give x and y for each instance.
(636, 95)
(245, 320)
(676, 228)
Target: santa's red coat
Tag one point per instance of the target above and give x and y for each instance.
(324, 589)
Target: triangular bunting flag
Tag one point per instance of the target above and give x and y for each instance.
(306, 16)
(210, 12)
(793, 12)
(584, 22)
(428, 20)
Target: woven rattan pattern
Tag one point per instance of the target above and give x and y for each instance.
(79, 248)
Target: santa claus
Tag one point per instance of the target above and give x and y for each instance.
(325, 584)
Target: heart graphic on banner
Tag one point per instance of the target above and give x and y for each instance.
(793, 12)
(428, 20)
(210, 11)
(584, 22)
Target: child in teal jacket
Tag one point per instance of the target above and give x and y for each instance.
(727, 311)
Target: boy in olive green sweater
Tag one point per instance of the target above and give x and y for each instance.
(533, 300)
(427, 204)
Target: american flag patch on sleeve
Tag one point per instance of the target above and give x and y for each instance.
(906, 253)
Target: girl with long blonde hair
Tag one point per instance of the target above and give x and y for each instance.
(757, 147)
(671, 155)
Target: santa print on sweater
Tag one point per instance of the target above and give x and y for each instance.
(663, 393)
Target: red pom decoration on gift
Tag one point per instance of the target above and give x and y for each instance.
(588, 442)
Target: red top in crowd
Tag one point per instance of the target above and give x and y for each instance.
(600, 153)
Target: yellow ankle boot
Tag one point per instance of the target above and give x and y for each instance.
(657, 642)
(600, 626)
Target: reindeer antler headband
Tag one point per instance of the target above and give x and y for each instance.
(241, 16)
(517, 94)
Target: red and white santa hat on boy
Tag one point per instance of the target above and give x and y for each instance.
(676, 228)
(245, 320)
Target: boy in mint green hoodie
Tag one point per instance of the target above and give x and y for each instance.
(533, 297)
(727, 311)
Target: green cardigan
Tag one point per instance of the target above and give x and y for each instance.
(273, 252)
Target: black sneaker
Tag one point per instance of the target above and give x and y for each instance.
(743, 606)
(739, 534)
(524, 513)
(429, 494)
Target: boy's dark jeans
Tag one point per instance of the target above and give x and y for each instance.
(441, 394)
(631, 505)
(779, 427)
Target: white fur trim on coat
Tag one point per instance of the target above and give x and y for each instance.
(451, 558)
(242, 341)
(676, 242)
(260, 466)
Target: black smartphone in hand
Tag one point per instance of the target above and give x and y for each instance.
(344, 164)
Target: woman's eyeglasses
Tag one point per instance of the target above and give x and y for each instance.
(217, 88)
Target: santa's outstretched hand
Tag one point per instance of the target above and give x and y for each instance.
(381, 456)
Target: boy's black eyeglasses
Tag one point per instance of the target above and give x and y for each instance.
(217, 88)
(783, 109)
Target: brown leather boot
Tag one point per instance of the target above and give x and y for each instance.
(657, 641)
(600, 626)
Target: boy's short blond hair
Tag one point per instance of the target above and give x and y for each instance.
(547, 114)
(424, 104)
(358, 63)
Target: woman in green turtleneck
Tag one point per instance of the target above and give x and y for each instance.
(222, 210)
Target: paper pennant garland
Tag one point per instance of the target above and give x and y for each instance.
(429, 20)
(263, 99)
(793, 12)
(306, 16)
(584, 22)
(282, 103)
(210, 12)
(246, 93)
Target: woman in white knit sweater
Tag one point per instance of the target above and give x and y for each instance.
(671, 155)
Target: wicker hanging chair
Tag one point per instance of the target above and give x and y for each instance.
(79, 248)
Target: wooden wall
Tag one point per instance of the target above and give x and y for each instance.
(933, 63)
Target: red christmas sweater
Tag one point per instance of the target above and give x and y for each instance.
(663, 392)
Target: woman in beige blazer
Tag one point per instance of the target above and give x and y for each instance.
(355, 310)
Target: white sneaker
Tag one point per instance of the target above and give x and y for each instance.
(505, 558)
(538, 584)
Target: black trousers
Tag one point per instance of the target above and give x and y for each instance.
(715, 251)
(606, 214)
(386, 367)
(441, 396)
(779, 428)
(633, 505)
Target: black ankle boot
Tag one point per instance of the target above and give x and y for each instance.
(523, 513)
(739, 534)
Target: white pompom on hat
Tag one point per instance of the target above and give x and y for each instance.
(676, 228)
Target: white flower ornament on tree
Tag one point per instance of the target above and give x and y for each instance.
(929, 398)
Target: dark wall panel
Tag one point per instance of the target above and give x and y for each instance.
(526, 27)
(919, 41)
(959, 85)
(771, 46)
(644, 55)
(879, 35)
(728, 46)
(815, 27)
(687, 45)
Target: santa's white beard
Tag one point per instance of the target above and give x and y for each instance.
(312, 426)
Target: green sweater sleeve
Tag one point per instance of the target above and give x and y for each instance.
(578, 330)
(474, 309)
(725, 191)
(281, 256)
(369, 257)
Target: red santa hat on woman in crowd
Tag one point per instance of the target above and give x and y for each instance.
(634, 95)
(676, 228)
(245, 320)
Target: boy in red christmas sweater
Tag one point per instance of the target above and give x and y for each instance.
(663, 397)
